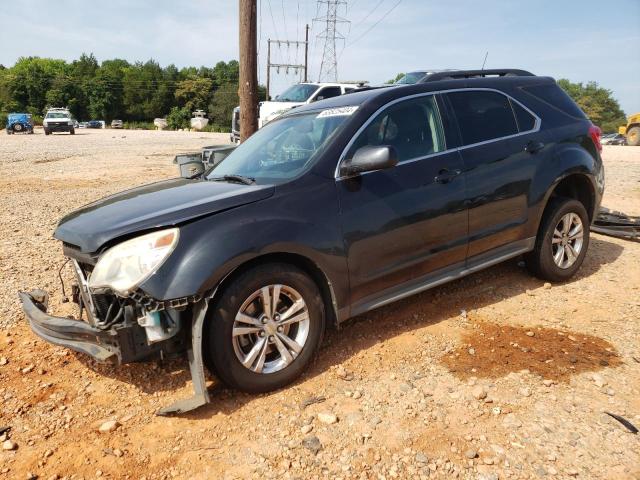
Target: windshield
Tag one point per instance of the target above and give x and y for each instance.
(284, 148)
(411, 78)
(57, 115)
(297, 93)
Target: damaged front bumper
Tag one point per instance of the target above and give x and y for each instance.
(124, 343)
(74, 334)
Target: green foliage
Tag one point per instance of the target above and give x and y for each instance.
(179, 118)
(597, 102)
(117, 89)
(394, 80)
(194, 92)
(224, 100)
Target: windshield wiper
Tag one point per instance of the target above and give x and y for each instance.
(235, 178)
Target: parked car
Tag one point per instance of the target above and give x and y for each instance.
(19, 123)
(416, 76)
(58, 120)
(334, 209)
(117, 124)
(94, 124)
(614, 139)
(83, 124)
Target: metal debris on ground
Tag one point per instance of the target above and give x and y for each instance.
(616, 224)
(627, 424)
(311, 400)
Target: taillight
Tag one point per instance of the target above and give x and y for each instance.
(595, 133)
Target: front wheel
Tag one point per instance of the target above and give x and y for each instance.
(562, 241)
(265, 328)
(72, 131)
(46, 132)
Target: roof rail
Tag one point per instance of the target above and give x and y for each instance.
(458, 74)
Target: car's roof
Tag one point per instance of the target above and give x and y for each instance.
(382, 95)
(330, 84)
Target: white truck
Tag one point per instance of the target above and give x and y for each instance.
(301, 94)
(58, 120)
(294, 96)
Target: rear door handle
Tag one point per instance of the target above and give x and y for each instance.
(445, 175)
(533, 146)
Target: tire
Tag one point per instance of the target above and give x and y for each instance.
(17, 127)
(544, 261)
(72, 131)
(224, 352)
(633, 136)
(46, 132)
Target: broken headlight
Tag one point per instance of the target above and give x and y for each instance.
(125, 266)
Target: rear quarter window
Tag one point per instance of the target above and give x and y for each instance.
(526, 121)
(553, 95)
(483, 115)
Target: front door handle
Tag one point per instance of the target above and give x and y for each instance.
(445, 175)
(533, 146)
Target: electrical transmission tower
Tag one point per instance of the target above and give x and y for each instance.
(330, 34)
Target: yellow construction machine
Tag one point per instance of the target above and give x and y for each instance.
(632, 130)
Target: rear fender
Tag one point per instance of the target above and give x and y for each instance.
(569, 158)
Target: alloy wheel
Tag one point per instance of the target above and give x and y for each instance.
(567, 240)
(270, 329)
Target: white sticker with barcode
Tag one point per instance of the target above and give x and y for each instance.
(337, 112)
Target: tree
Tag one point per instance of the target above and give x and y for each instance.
(194, 92)
(118, 89)
(179, 118)
(224, 100)
(597, 102)
(394, 80)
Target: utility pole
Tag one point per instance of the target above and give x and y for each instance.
(248, 88)
(306, 53)
(287, 66)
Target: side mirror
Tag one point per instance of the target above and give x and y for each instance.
(370, 158)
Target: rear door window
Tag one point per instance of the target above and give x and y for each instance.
(483, 115)
(412, 127)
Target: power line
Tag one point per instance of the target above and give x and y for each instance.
(284, 19)
(368, 14)
(275, 29)
(376, 24)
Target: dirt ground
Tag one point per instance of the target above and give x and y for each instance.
(496, 376)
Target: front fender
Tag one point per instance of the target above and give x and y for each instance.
(304, 223)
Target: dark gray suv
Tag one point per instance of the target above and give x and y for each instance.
(332, 210)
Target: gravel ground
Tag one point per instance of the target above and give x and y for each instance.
(495, 376)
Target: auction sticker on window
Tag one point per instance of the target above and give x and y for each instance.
(337, 112)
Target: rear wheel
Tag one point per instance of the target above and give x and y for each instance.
(265, 328)
(562, 241)
(633, 136)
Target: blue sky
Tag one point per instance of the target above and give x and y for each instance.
(580, 40)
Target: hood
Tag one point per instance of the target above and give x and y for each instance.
(160, 204)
